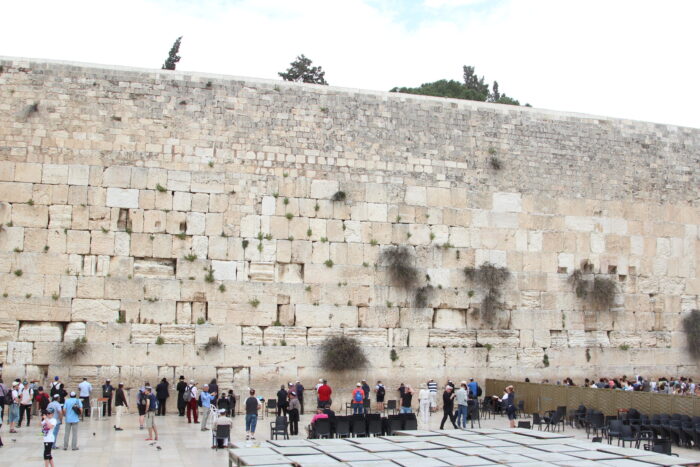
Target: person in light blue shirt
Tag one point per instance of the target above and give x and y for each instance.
(55, 408)
(206, 397)
(71, 419)
(85, 391)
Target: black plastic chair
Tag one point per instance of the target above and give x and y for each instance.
(395, 424)
(223, 433)
(660, 445)
(271, 406)
(551, 423)
(473, 414)
(537, 421)
(358, 427)
(374, 427)
(390, 405)
(342, 427)
(410, 424)
(322, 428)
(626, 436)
(279, 428)
(525, 424)
(521, 409)
(614, 431)
(596, 425)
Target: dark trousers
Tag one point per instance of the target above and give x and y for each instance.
(107, 407)
(161, 407)
(86, 407)
(22, 409)
(181, 405)
(451, 415)
(281, 410)
(301, 402)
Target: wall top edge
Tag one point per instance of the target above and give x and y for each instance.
(181, 75)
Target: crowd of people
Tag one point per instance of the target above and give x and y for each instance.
(681, 386)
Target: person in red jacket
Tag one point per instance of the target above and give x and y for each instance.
(324, 395)
(42, 399)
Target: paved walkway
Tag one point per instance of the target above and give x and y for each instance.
(181, 443)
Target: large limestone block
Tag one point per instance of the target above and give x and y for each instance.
(446, 318)
(107, 332)
(326, 315)
(323, 189)
(106, 311)
(378, 317)
(15, 192)
(24, 215)
(19, 353)
(178, 333)
(264, 314)
(295, 335)
(451, 338)
(117, 176)
(54, 174)
(290, 273)
(8, 330)
(117, 288)
(416, 318)
(74, 331)
(60, 216)
(224, 270)
(158, 311)
(416, 196)
(369, 337)
(507, 202)
(23, 308)
(12, 238)
(41, 332)
(252, 335)
(499, 338)
(144, 333)
(261, 272)
(123, 198)
(316, 336)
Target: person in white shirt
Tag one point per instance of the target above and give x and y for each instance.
(85, 390)
(424, 401)
(48, 423)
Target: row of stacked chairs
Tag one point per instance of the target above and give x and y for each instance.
(364, 425)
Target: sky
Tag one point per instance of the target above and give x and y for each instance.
(629, 59)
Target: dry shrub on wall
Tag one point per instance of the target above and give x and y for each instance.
(72, 350)
(342, 353)
(491, 278)
(423, 296)
(601, 290)
(399, 263)
(691, 326)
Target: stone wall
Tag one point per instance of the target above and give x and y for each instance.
(151, 211)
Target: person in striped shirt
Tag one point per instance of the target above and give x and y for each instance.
(433, 388)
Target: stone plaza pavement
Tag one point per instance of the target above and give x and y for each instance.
(181, 443)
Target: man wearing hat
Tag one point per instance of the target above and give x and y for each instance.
(299, 389)
(181, 388)
(293, 411)
(71, 413)
(55, 408)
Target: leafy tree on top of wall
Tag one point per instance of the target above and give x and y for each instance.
(173, 56)
(472, 88)
(302, 71)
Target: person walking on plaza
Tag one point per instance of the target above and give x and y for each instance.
(107, 393)
(26, 398)
(48, 424)
(207, 399)
(190, 396)
(433, 388)
(162, 395)
(358, 397)
(55, 408)
(252, 405)
(424, 403)
(85, 389)
(14, 407)
(57, 389)
(299, 389)
(151, 414)
(120, 405)
(448, 398)
(294, 409)
(181, 403)
(72, 410)
(462, 396)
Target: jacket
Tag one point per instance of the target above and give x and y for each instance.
(162, 390)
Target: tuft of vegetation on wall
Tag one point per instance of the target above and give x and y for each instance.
(74, 349)
(342, 353)
(399, 262)
(599, 290)
(691, 326)
(491, 279)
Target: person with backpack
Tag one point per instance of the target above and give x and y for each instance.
(14, 406)
(252, 405)
(72, 410)
(107, 393)
(5, 398)
(141, 405)
(151, 403)
(25, 403)
(41, 399)
(366, 389)
(190, 397)
(474, 388)
(380, 391)
(358, 398)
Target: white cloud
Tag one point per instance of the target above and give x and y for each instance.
(631, 59)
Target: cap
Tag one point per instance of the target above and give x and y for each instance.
(320, 380)
(222, 410)
(191, 381)
(72, 393)
(107, 380)
(294, 393)
(15, 383)
(55, 378)
(50, 410)
(55, 396)
(358, 385)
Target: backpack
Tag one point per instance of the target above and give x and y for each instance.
(358, 396)
(6, 396)
(381, 391)
(187, 395)
(478, 391)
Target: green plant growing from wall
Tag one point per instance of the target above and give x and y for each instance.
(399, 262)
(588, 355)
(209, 276)
(545, 360)
(72, 350)
(201, 320)
(160, 340)
(342, 353)
(339, 196)
(599, 290)
(393, 355)
(491, 278)
(691, 326)
(254, 302)
(212, 344)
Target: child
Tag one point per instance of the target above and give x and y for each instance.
(48, 423)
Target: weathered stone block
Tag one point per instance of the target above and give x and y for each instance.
(95, 310)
